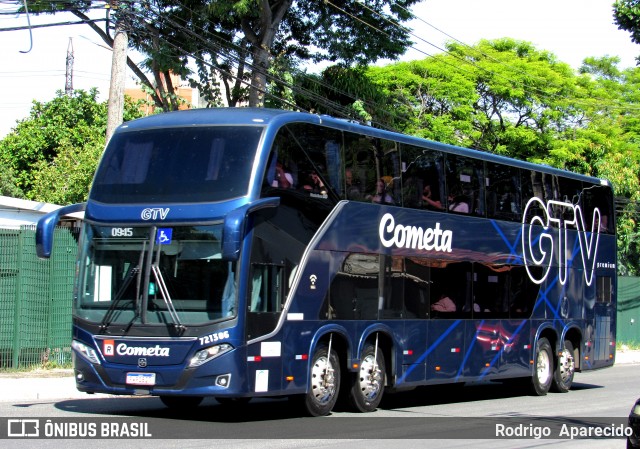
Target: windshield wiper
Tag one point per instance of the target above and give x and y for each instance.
(106, 321)
(164, 292)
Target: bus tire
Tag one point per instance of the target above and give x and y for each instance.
(324, 382)
(181, 402)
(565, 369)
(367, 386)
(543, 368)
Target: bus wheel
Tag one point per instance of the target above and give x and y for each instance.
(543, 370)
(181, 402)
(324, 382)
(368, 384)
(563, 375)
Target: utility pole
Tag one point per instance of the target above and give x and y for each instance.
(68, 85)
(115, 104)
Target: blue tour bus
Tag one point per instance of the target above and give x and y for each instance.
(240, 253)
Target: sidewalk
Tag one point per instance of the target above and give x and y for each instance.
(39, 385)
(49, 385)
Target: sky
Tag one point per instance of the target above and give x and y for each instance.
(571, 29)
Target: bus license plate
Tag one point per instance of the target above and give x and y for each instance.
(141, 378)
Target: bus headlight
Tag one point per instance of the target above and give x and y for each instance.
(204, 355)
(86, 352)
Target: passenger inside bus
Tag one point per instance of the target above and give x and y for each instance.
(444, 304)
(458, 202)
(429, 200)
(353, 190)
(314, 184)
(283, 178)
(381, 195)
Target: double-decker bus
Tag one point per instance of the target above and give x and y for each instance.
(241, 253)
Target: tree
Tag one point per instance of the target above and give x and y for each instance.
(237, 36)
(59, 141)
(8, 183)
(626, 14)
(345, 32)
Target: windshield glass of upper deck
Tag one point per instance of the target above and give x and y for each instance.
(184, 164)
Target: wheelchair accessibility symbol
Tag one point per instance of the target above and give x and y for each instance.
(163, 237)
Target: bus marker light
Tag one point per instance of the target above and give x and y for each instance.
(455, 349)
(355, 366)
(408, 352)
(530, 362)
(254, 358)
(437, 368)
(527, 346)
(289, 378)
(302, 356)
(586, 357)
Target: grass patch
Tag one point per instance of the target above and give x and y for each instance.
(628, 345)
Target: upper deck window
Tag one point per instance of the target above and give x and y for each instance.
(182, 165)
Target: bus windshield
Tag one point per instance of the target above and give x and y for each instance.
(151, 275)
(182, 164)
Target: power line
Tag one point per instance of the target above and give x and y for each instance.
(229, 50)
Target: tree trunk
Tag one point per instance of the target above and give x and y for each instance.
(259, 77)
(261, 40)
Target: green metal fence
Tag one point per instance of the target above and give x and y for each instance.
(35, 299)
(628, 310)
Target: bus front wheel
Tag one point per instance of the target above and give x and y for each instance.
(543, 369)
(563, 374)
(324, 382)
(368, 384)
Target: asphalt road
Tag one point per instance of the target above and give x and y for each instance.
(430, 417)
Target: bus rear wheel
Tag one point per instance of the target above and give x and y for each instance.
(563, 374)
(368, 384)
(543, 369)
(181, 402)
(324, 382)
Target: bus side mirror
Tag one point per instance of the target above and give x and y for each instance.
(233, 230)
(47, 225)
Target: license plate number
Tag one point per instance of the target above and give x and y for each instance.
(141, 378)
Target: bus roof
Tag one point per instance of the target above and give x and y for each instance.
(277, 118)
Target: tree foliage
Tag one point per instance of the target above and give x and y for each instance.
(626, 14)
(235, 42)
(53, 152)
(8, 183)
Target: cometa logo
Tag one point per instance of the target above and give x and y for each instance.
(401, 236)
(153, 351)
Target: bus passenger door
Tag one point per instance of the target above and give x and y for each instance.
(264, 359)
